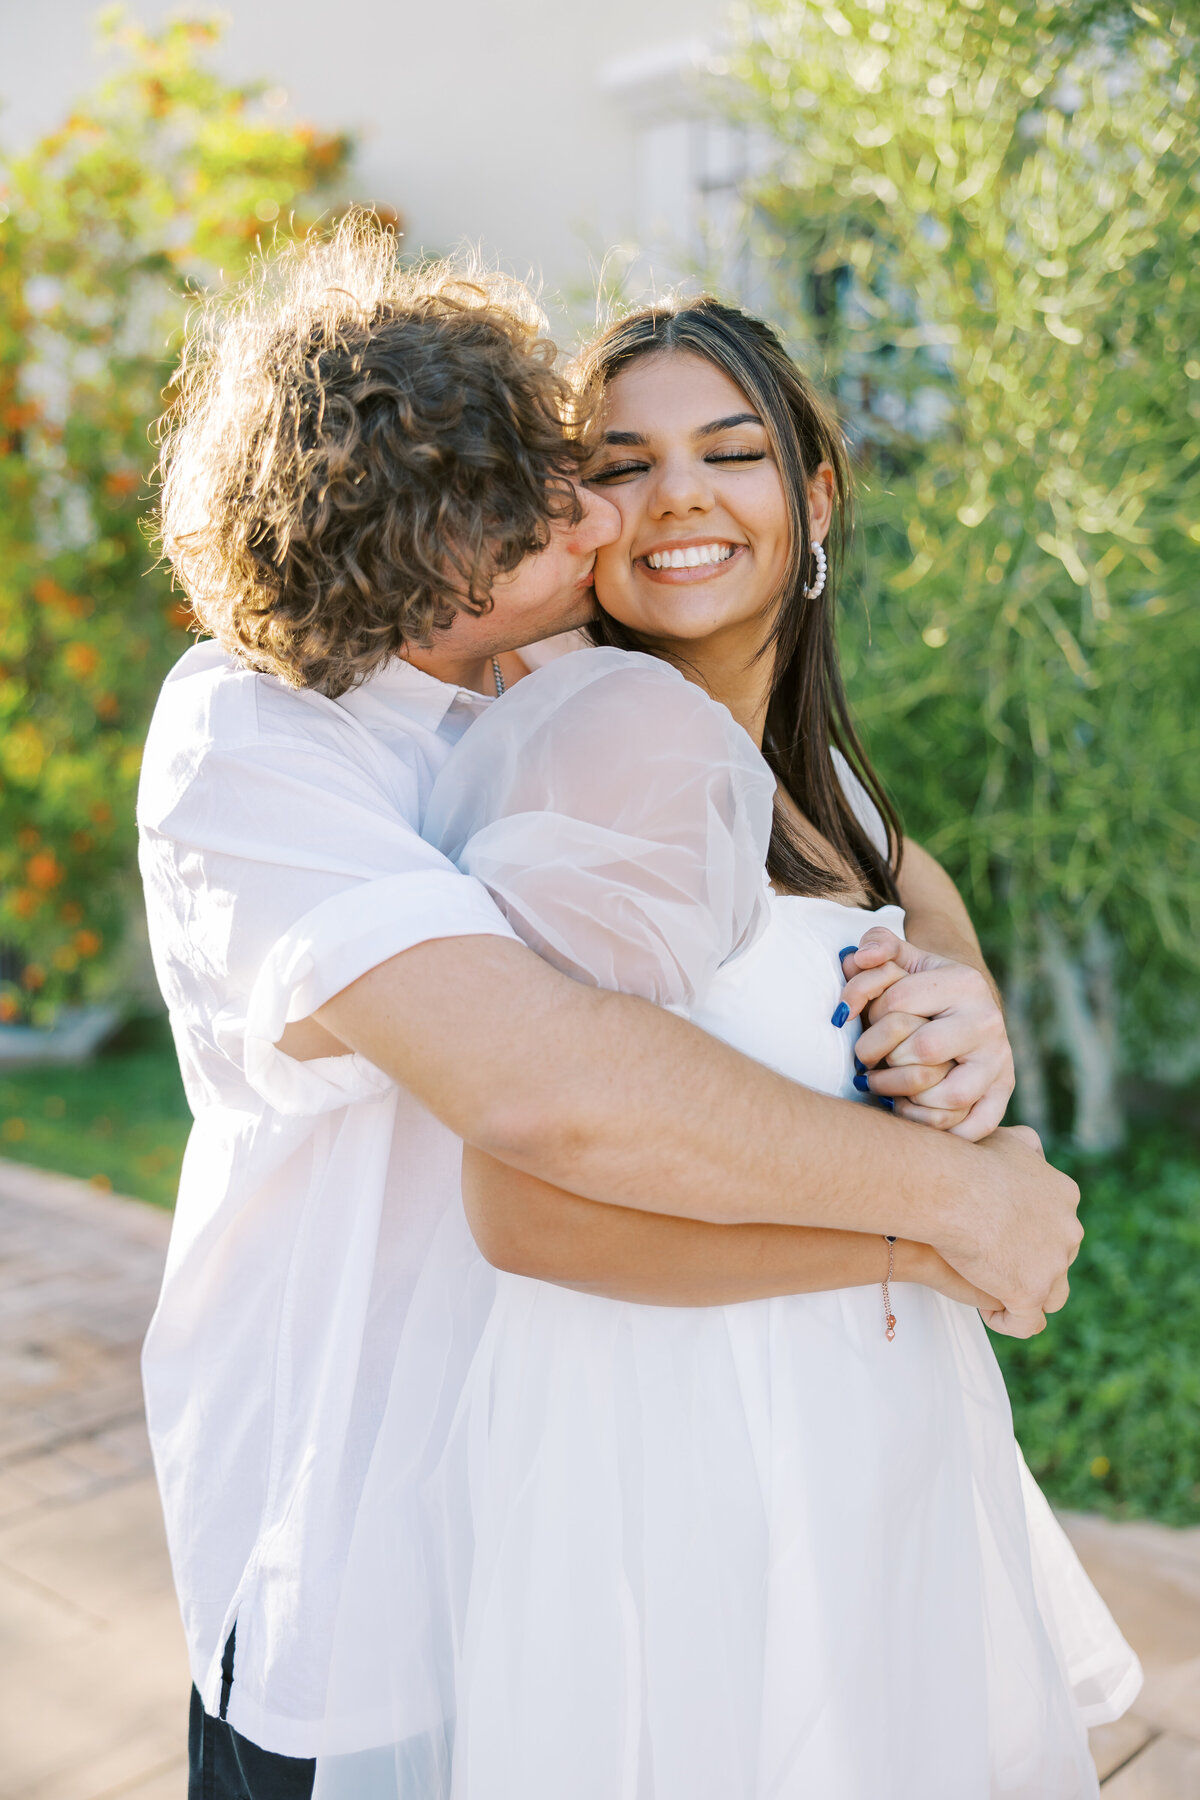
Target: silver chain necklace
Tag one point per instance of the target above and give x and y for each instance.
(497, 677)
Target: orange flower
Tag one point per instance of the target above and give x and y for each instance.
(107, 706)
(45, 870)
(9, 1009)
(87, 943)
(179, 614)
(28, 838)
(17, 417)
(71, 913)
(82, 660)
(48, 593)
(26, 903)
(33, 977)
(122, 482)
(102, 813)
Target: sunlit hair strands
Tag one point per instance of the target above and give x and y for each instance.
(355, 449)
(808, 712)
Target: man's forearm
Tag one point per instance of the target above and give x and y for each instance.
(619, 1101)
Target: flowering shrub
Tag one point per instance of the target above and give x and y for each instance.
(165, 181)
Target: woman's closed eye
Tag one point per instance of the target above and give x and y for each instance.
(613, 472)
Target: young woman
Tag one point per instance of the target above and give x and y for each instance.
(784, 1548)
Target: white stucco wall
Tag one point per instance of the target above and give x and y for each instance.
(524, 125)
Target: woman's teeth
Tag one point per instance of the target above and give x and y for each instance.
(690, 558)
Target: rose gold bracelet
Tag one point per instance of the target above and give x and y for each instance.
(889, 1317)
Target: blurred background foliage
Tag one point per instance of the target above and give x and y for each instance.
(981, 223)
(120, 1121)
(164, 180)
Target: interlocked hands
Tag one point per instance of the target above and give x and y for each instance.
(934, 1039)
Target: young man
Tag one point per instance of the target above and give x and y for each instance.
(369, 498)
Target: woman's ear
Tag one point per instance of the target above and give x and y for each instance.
(820, 503)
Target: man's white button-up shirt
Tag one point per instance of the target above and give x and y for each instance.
(282, 858)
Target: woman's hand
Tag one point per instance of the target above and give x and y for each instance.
(935, 1040)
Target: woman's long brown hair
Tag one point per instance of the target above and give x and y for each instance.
(807, 713)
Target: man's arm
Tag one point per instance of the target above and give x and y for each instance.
(617, 1100)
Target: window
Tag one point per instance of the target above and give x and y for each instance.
(691, 168)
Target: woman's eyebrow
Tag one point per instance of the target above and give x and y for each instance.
(742, 418)
(709, 430)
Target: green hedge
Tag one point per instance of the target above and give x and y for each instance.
(120, 1121)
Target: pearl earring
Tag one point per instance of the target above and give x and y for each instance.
(818, 586)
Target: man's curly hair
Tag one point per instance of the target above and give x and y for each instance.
(355, 450)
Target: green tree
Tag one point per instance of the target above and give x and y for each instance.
(161, 182)
(985, 227)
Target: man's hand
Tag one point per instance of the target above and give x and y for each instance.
(1006, 1246)
(921, 1262)
(935, 1040)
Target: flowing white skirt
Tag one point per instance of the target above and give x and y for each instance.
(760, 1553)
(742, 1553)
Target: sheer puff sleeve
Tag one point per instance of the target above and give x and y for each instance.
(619, 817)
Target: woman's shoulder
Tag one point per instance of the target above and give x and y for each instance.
(621, 673)
(624, 699)
(609, 736)
(618, 815)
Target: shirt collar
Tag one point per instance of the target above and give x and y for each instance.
(422, 698)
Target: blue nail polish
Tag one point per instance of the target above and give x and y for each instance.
(860, 1066)
(862, 1084)
(840, 1015)
(848, 951)
(890, 1104)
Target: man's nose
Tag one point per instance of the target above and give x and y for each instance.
(600, 524)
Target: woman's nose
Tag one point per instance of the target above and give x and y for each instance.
(679, 488)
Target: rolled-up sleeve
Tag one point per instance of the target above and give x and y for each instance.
(292, 871)
(331, 946)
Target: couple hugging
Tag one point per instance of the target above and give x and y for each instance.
(569, 1380)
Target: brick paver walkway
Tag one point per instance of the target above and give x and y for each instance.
(92, 1665)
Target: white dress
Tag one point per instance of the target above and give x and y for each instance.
(750, 1552)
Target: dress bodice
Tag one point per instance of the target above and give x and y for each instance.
(776, 1000)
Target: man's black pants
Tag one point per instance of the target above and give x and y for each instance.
(223, 1765)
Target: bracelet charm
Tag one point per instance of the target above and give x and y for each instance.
(889, 1317)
